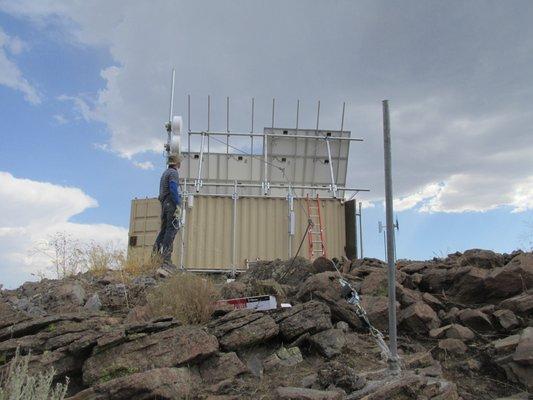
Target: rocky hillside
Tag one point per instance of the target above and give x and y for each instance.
(465, 331)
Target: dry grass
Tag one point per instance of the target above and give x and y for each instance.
(187, 297)
(139, 265)
(102, 258)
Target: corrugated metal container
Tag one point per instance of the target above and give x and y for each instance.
(261, 230)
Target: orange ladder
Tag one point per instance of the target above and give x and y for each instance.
(315, 233)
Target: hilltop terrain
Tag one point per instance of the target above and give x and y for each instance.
(465, 331)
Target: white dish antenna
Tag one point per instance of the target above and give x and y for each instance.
(175, 136)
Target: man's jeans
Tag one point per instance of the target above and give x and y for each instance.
(165, 239)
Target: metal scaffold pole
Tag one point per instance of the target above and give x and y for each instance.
(394, 364)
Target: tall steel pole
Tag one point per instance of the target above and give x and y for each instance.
(361, 229)
(394, 364)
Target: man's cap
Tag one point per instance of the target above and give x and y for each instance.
(173, 159)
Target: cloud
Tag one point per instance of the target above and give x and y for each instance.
(32, 211)
(460, 114)
(10, 74)
(146, 165)
(60, 119)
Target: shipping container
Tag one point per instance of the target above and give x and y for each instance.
(261, 230)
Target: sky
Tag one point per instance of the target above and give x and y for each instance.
(84, 93)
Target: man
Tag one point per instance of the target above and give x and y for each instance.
(170, 199)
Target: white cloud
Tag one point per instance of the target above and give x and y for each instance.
(10, 74)
(60, 119)
(146, 165)
(32, 211)
(460, 118)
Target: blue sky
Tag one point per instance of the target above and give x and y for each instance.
(84, 94)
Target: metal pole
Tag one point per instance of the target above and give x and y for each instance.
(361, 228)
(198, 182)
(189, 135)
(333, 185)
(290, 204)
(234, 240)
(394, 364)
(355, 232)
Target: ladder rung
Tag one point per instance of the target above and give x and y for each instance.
(317, 241)
(313, 215)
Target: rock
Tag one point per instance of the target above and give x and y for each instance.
(71, 292)
(334, 374)
(172, 347)
(295, 393)
(476, 320)
(285, 357)
(407, 296)
(524, 350)
(521, 304)
(343, 326)
(242, 328)
(435, 280)
(452, 346)
(375, 284)
(267, 286)
(309, 380)
(453, 331)
(322, 264)
(515, 277)
(432, 301)
(505, 319)
(486, 259)
(377, 309)
(329, 343)
(233, 290)
(470, 287)
(157, 383)
(138, 314)
(311, 317)
(221, 367)
(325, 284)
(419, 318)
(505, 345)
(144, 281)
(94, 303)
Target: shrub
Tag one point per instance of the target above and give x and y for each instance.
(18, 383)
(102, 258)
(138, 265)
(185, 296)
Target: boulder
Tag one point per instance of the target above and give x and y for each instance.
(284, 357)
(506, 344)
(505, 320)
(328, 343)
(407, 296)
(470, 286)
(322, 264)
(168, 348)
(221, 367)
(242, 328)
(377, 309)
(419, 318)
(453, 331)
(157, 383)
(515, 277)
(93, 303)
(334, 374)
(310, 317)
(476, 320)
(486, 259)
(432, 301)
(524, 350)
(70, 292)
(375, 284)
(435, 280)
(296, 393)
(521, 304)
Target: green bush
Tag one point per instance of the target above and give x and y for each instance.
(17, 383)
